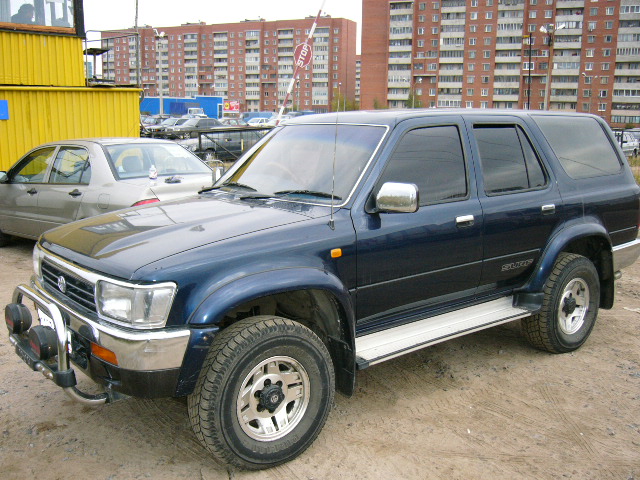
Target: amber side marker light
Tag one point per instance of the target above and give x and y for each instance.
(103, 354)
(336, 253)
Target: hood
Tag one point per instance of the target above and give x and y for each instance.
(120, 242)
(178, 186)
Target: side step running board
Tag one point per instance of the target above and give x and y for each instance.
(394, 342)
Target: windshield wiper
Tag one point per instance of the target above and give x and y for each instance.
(229, 184)
(308, 192)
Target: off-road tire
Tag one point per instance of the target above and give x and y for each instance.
(551, 329)
(235, 356)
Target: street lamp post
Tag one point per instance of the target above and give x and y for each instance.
(588, 80)
(530, 41)
(159, 36)
(550, 31)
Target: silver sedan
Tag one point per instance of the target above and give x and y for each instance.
(59, 182)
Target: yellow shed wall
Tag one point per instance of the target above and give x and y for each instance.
(38, 115)
(36, 59)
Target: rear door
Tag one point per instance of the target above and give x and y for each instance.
(409, 263)
(60, 198)
(520, 200)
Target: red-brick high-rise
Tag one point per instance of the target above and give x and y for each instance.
(250, 61)
(484, 53)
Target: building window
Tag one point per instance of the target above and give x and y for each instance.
(609, 10)
(608, 24)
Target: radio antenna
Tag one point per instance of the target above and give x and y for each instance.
(332, 224)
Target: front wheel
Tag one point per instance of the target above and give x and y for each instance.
(570, 306)
(264, 392)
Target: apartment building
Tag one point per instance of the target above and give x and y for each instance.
(496, 54)
(251, 61)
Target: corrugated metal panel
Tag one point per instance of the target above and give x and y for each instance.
(40, 114)
(29, 59)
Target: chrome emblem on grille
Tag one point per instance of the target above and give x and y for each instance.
(62, 284)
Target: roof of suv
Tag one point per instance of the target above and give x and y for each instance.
(392, 117)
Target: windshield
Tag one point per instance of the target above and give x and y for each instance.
(134, 160)
(297, 162)
(169, 121)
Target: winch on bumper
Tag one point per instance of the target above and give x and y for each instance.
(144, 364)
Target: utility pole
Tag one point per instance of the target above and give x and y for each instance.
(159, 36)
(550, 30)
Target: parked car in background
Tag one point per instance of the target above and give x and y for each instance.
(629, 144)
(258, 122)
(192, 125)
(153, 119)
(60, 182)
(162, 127)
(195, 113)
(233, 122)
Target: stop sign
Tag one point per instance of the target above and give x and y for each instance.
(303, 55)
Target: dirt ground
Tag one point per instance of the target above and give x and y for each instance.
(484, 406)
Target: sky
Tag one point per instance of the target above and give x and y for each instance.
(115, 14)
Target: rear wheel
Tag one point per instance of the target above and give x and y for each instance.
(570, 306)
(264, 392)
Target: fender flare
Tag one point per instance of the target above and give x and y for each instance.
(557, 244)
(205, 319)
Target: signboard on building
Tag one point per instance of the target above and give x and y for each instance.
(232, 106)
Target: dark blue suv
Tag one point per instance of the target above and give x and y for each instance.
(337, 242)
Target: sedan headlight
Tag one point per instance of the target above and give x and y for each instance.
(141, 306)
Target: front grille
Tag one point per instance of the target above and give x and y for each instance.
(78, 290)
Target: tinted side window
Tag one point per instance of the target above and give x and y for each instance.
(509, 163)
(71, 166)
(431, 158)
(580, 144)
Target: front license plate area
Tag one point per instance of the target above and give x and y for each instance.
(45, 320)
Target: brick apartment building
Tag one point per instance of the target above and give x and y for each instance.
(250, 61)
(492, 53)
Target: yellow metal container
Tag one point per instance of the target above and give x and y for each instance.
(37, 59)
(42, 114)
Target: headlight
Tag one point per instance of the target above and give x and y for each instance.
(141, 306)
(37, 261)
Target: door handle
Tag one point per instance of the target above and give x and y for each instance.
(465, 220)
(75, 193)
(548, 209)
(32, 191)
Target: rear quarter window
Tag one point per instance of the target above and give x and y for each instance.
(581, 145)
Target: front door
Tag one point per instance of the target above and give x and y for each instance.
(19, 213)
(409, 263)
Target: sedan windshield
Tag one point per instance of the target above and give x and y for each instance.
(135, 160)
(297, 162)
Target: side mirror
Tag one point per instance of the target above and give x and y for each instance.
(397, 197)
(3, 177)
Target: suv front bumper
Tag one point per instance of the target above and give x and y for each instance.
(147, 363)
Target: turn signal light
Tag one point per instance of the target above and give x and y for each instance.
(17, 317)
(103, 354)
